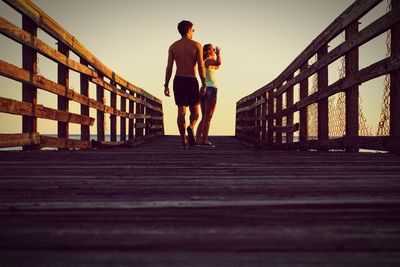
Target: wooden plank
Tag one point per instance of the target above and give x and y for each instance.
(278, 121)
(123, 119)
(262, 207)
(84, 85)
(286, 129)
(29, 93)
(64, 143)
(382, 143)
(270, 121)
(352, 94)
(27, 109)
(303, 110)
(115, 90)
(380, 68)
(358, 9)
(24, 76)
(62, 99)
(395, 78)
(252, 106)
(100, 113)
(24, 139)
(49, 25)
(27, 39)
(290, 117)
(369, 32)
(139, 122)
(131, 126)
(323, 112)
(113, 117)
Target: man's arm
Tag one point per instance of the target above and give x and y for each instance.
(168, 71)
(200, 65)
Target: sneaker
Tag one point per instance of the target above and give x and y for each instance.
(208, 144)
(192, 141)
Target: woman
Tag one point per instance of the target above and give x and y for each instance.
(208, 96)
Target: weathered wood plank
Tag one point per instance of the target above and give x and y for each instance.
(48, 24)
(62, 98)
(29, 92)
(369, 32)
(285, 129)
(395, 78)
(115, 90)
(351, 14)
(39, 111)
(380, 68)
(26, 77)
(323, 112)
(352, 93)
(64, 143)
(15, 73)
(24, 139)
(315, 207)
(27, 39)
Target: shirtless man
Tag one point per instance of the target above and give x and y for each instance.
(186, 53)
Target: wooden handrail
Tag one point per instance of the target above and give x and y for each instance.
(145, 122)
(351, 14)
(248, 119)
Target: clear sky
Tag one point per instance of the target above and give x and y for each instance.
(259, 39)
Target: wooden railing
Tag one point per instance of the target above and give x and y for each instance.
(259, 115)
(140, 110)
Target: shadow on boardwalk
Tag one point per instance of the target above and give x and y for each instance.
(159, 205)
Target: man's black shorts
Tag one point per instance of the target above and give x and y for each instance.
(186, 91)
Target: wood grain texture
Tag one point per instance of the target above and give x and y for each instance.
(232, 205)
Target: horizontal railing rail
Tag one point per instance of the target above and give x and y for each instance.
(259, 116)
(140, 110)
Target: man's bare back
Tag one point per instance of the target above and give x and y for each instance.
(185, 53)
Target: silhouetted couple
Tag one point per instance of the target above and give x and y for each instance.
(188, 53)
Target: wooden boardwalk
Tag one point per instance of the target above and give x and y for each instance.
(233, 205)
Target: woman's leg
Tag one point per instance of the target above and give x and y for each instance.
(199, 131)
(209, 112)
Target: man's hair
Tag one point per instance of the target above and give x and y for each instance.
(184, 26)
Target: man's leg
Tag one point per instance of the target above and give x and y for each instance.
(194, 115)
(181, 123)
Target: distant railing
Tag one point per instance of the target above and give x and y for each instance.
(142, 110)
(259, 115)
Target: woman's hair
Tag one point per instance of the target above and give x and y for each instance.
(184, 26)
(206, 47)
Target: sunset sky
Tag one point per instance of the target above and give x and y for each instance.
(259, 39)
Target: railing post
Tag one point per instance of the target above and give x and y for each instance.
(270, 133)
(29, 93)
(84, 81)
(395, 79)
(63, 102)
(257, 111)
(100, 113)
(352, 93)
(123, 119)
(263, 119)
(303, 111)
(113, 117)
(131, 120)
(289, 103)
(279, 101)
(323, 112)
(139, 121)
